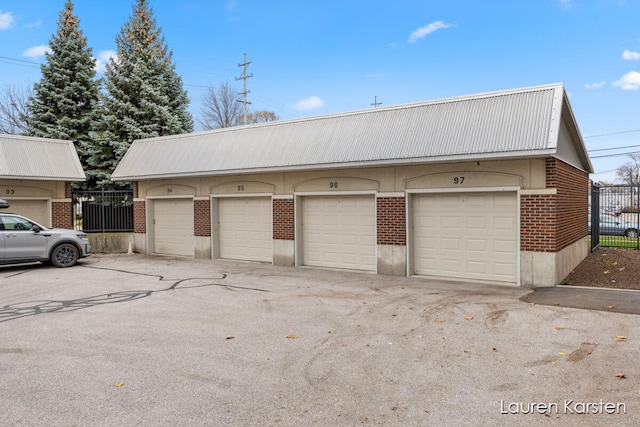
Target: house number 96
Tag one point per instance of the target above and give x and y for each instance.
(458, 180)
(333, 184)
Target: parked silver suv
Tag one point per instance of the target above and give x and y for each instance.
(24, 240)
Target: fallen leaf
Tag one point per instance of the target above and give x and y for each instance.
(562, 353)
(292, 336)
(229, 338)
(495, 350)
(120, 384)
(607, 272)
(468, 317)
(553, 362)
(440, 321)
(467, 351)
(620, 376)
(611, 306)
(620, 338)
(559, 328)
(565, 317)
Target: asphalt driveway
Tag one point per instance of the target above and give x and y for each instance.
(136, 340)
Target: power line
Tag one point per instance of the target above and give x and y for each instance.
(612, 133)
(614, 155)
(616, 148)
(20, 62)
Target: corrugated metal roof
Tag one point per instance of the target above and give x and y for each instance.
(505, 124)
(23, 157)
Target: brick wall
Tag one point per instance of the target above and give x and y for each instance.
(139, 216)
(283, 219)
(202, 218)
(573, 202)
(61, 214)
(538, 223)
(391, 221)
(551, 222)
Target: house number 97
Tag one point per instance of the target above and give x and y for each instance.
(458, 180)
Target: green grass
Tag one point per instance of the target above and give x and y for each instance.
(618, 242)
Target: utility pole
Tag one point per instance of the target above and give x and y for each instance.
(375, 102)
(244, 77)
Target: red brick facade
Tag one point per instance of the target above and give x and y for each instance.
(391, 221)
(202, 218)
(61, 214)
(573, 201)
(139, 216)
(538, 223)
(549, 223)
(283, 219)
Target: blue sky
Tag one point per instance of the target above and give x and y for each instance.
(318, 57)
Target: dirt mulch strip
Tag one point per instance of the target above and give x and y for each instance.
(617, 268)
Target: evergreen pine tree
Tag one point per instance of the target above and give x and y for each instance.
(64, 99)
(143, 95)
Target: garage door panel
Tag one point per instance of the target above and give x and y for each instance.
(32, 209)
(339, 232)
(173, 227)
(246, 226)
(474, 236)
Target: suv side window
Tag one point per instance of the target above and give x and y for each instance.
(13, 223)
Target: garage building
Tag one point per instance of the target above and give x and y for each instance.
(36, 176)
(489, 188)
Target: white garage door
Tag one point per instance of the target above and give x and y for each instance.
(246, 228)
(32, 209)
(466, 236)
(173, 227)
(339, 232)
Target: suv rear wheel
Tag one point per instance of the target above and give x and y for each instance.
(64, 255)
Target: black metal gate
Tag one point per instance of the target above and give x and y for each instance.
(103, 210)
(614, 216)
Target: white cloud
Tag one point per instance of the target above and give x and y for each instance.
(567, 4)
(103, 59)
(6, 20)
(630, 55)
(597, 85)
(630, 81)
(36, 51)
(426, 30)
(232, 5)
(35, 24)
(310, 103)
